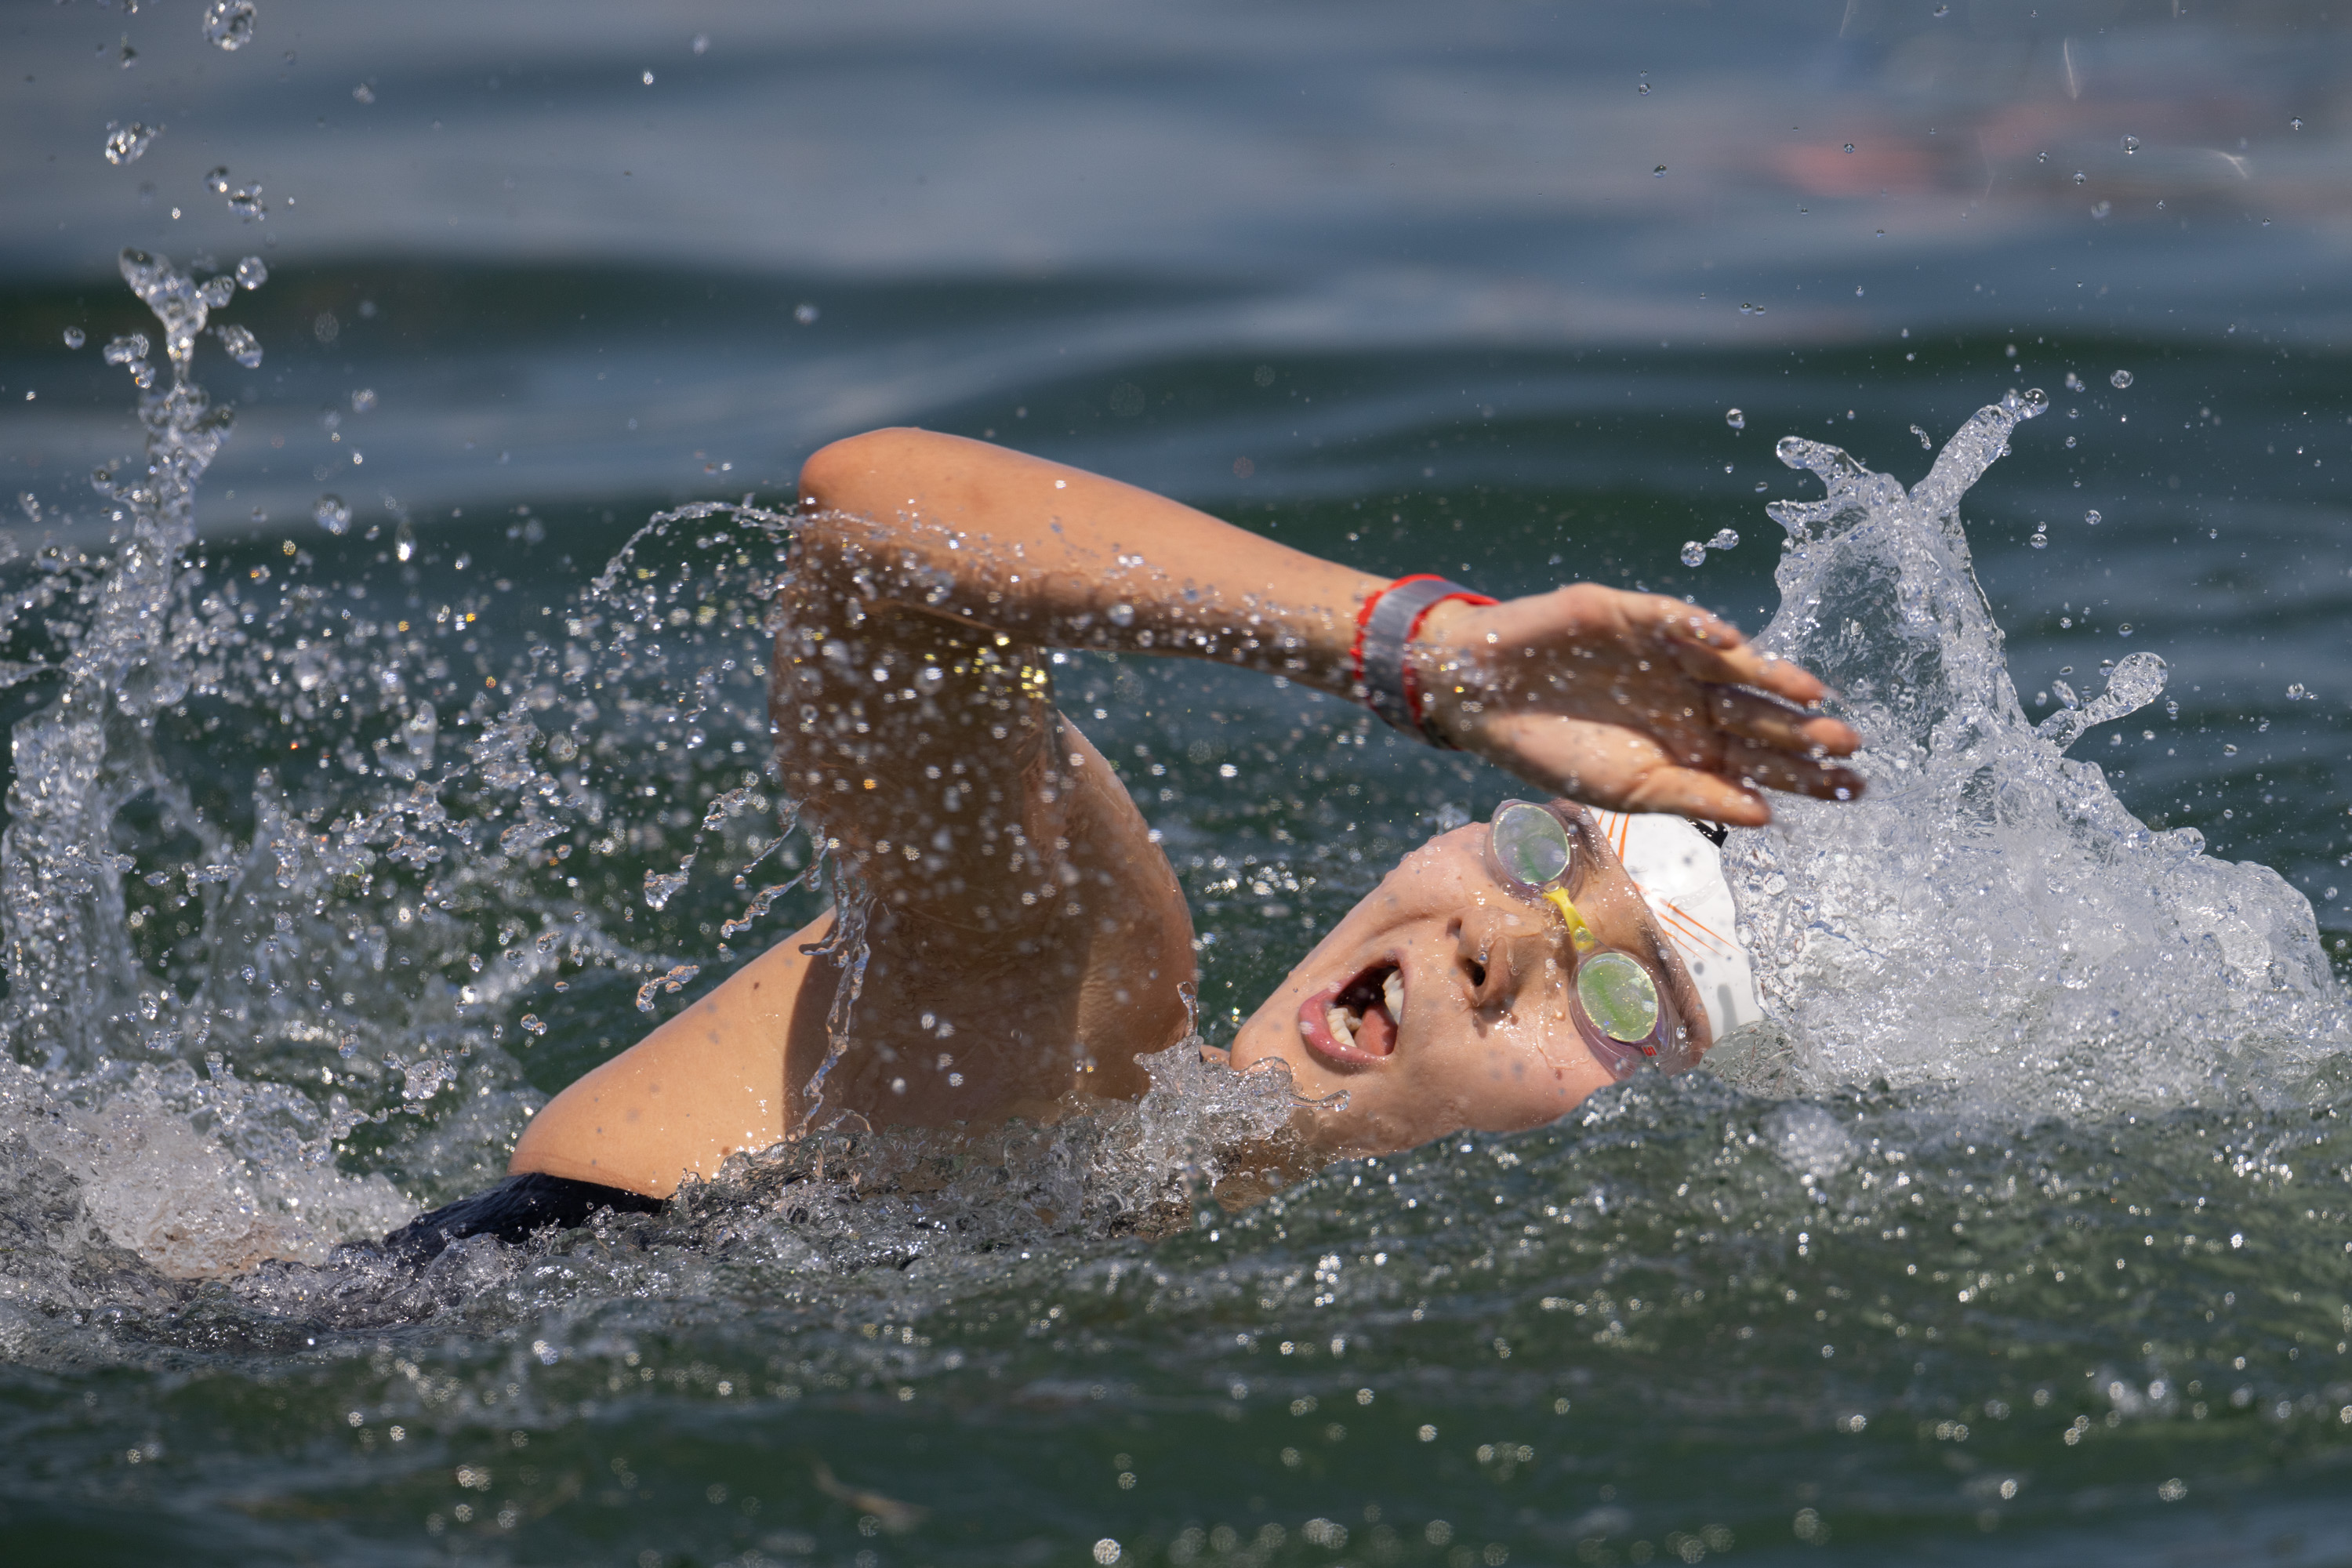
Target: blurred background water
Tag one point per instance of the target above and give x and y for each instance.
(1469, 289)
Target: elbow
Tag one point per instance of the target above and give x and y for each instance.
(848, 474)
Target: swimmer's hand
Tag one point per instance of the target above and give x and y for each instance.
(1633, 702)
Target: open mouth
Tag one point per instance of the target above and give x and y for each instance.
(1356, 1023)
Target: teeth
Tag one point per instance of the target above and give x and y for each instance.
(1343, 1031)
(1393, 993)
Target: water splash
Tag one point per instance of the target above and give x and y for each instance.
(228, 23)
(1990, 919)
(129, 144)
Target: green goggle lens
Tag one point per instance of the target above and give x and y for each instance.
(1619, 996)
(1531, 844)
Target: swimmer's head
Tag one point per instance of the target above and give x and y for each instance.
(1446, 1000)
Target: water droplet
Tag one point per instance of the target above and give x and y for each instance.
(1643, 89)
(805, 314)
(251, 273)
(2296, 692)
(364, 94)
(246, 202)
(1122, 613)
(532, 1026)
(1658, 173)
(2296, 123)
(2040, 541)
(216, 180)
(2042, 157)
(404, 541)
(2036, 401)
(1693, 553)
(363, 400)
(1849, 146)
(1733, 416)
(1941, 11)
(701, 43)
(216, 292)
(330, 513)
(1926, 443)
(2131, 146)
(1725, 539)
(2120, 379)
(2102, 209)
(2093, 517)
(2080, 177)
(2229, 751)
(74, 338)
(229, 23)
(125, 143)
(127, 349)
(647, 78)
(242, 348)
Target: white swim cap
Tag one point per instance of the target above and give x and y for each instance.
(1680, 872)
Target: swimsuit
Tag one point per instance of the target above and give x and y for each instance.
(513, 1211)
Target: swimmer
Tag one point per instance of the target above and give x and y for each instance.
(1026, 941)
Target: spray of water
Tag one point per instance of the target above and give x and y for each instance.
(1990, 919)
(292, 872)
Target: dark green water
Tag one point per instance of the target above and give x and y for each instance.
(1400, 288)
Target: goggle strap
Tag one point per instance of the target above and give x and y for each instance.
(1578, 932)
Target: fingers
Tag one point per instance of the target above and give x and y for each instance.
(1714, 650)
(1763, 767)
(1775, 724)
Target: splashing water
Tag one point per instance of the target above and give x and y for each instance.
(242, 994)
(1990, 919)
(129, 144)
(228, 23)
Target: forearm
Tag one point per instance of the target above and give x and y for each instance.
(1056, 556)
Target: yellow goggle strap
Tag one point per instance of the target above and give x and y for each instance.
(1578, 932)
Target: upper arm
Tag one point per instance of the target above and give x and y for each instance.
(925, 751)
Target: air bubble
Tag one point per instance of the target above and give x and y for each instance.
(74, 338)
(1733, 416)
(251, 273)
(330, 513)
(127, 143)
(1694, 552)
(2120, 379)
(229, 23)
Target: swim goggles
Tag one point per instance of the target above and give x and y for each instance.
(1615, 997)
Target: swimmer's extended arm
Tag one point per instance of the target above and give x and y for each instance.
(1631, 700)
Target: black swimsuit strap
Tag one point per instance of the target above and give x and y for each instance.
(513, 1211)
